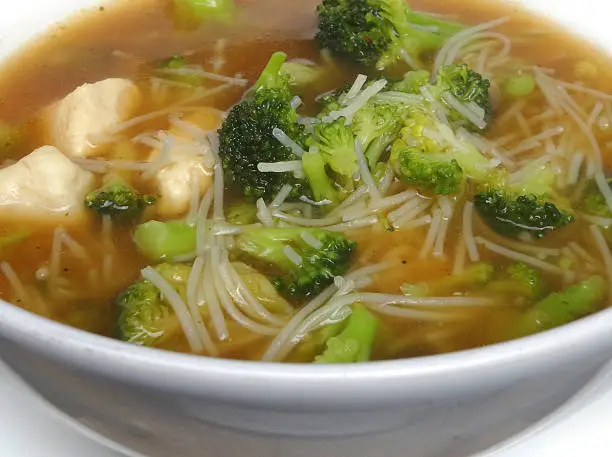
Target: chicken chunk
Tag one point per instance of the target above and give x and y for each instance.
(188, 162)
(45, 183)
(91, 111)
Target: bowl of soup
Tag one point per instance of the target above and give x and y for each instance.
(337, 227)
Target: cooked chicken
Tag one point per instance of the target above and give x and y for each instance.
(90, 111)
(44, 183)
(187, 163)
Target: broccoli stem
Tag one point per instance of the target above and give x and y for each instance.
(354, 343)
(560, 308)
(271, 75)
(191, 13)
(165, 240)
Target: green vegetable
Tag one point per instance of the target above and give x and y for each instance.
(323, 187)
(119, 201)
(165, 240)
(192, 13)
(379, 33)
(243, 213)
(560, 308)
(262, 289)
(323, 256)
(594, 202)
(336, 144)
(303, 75)
(468, 88)
(246, 137)
(413, 82)
(520, 86)
(511, 215)
(176, 63)
(14, 238)
(473, 277)
(144, 316)
(519, 280)
(354, 343)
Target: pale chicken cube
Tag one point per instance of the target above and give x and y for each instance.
(45, 183)
(91, 111)
(188, 164)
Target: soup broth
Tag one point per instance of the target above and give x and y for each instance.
(74, 270)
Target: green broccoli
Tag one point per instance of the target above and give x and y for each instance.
(336, 144)
(457, 83)
(144, 316)
(262, 289)
(246, 136)
(594, 202)
(519, 280)
(563, 307)
(510, 215)
(119, 201)
(306, 260)
(190, 14)
(354, 343)
(380, 33)
(412, 82)
(322, 186)
(438, 173)
(175, 63)
(303, 74)
(473, 277)
(242, 213)
(165, 240)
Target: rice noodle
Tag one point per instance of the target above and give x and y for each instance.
(460, 257)
(201, 227)
(360, 80)
(15, 282)
(263, 213)
(432, 234)
(475, 116)
(581, 252)
(212, 302)
(468, 232)
(307, 222)
(75, 248)
(364, 172)
(354, 224)
(282, 195)
(595, 114)
(280, 167)
(219, 189)
(414, 223)
(194, 198)
(406, 214)
(357, 103)
(178, 305)
(287, 142)
(195, 276)
(535, 141)
(513, 255)
(162, 158)
(575, 165)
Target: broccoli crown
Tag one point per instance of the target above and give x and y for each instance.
(336, 144)
(322, 186)
(306, 260)
(467, 87)
(594, 202)
(434, 172)
(413, 82)
(512, 215)
(119, 201)
(302, 74)
(144, 316)
(378, 32)
(246, 138)
(527, 278)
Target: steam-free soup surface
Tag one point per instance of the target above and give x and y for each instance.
(446, 288)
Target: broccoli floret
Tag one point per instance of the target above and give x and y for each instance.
(306, 260)
(511, 215)
(413, 82)
(243, 213)
(474, 276)
(519, 281)
(459, 83)
(438, 173)
(165, 240)
(563, 307)
(379, 33)
(119, 201)
(246, 136)
(594, 202)
(303, 74)
(262, 289)
(190, 14)
(336, 144)
(322, 186)
(144, 316)
(354, 343)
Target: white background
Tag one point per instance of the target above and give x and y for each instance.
(29, 429)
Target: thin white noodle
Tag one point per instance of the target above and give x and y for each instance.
(573, 172)
(513, 255)
(432, 234)
(194, 198)
(177, 303)
(460, 257)
(292, 255)
(15, 282)
(594, 114)
(360, 80)
(263, 213)
(352, 225)
(219, 187)
(581, 252)
(405, 219)
(414, 314)
(75, 248)
(357, 103)
(364, 171)
(195, 276)
(162, 158)
(56, 252)
(311, 240)
(414, 223)
(201, 227)
(212, 302)
(468, 232)
(280, 167)
(472, 115)
(604, 188)
(284, 139)
(447, 214)
(307, 222)
(535, 141)
(599, 221)
(198, 71)
(282, 195)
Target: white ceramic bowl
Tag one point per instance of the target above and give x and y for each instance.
(163, 404)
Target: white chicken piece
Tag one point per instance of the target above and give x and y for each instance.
(90, 111)
(45, 183)
(186, 164)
